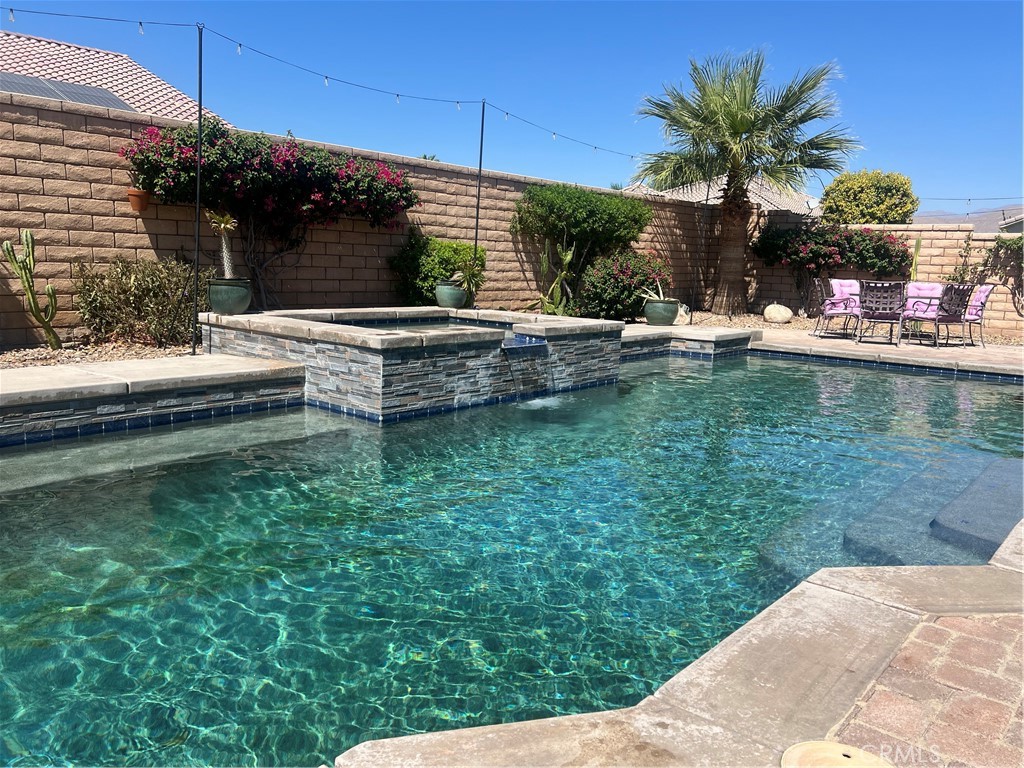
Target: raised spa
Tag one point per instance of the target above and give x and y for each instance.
(389, 364)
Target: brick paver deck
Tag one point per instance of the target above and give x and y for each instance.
(950, 697)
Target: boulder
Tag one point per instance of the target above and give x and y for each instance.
(776, 313)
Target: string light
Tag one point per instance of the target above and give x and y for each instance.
(238, 49)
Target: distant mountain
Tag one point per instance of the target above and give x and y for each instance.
(984, 220)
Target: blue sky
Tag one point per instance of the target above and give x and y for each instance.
(931, 89)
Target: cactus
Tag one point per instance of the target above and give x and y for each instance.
(223, 224)
(24, 265)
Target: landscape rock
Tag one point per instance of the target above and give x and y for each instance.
(776, 313)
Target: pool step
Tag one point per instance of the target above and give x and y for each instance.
(810, 542)
(897, 531)
(981, 517)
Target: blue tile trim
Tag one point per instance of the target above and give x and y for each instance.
(920, 370)
(145, 421)
(8, 441)
(631, 357)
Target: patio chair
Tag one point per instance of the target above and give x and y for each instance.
(881, 303)
(976, 310)
(835, 304)
(949, 308)
(922, 304)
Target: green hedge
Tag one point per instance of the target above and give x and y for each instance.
(424, 261)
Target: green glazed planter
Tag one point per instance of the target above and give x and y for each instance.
(450, 295)
(229, 297)
(661, 311)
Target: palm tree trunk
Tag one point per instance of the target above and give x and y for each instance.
(731, 290)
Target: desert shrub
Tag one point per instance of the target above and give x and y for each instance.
(143, 301)
(869, 197)
(611, 286)
(424, 261)
(593, 224)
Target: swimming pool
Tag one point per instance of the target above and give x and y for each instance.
(280, 602)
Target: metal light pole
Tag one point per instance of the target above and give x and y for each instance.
(479, 176)
(199, 173)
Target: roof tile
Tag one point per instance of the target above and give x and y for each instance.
(132, 83)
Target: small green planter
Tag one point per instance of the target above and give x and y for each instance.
(229, 297)
(661, 311)
(450, 295)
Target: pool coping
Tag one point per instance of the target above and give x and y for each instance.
(790, 674)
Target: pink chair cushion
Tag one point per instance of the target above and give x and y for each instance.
(976, 306)
(922, 300)
(842, 288)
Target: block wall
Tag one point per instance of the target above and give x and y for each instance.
(62, 178)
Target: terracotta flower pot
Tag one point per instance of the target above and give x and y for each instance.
(138, 199)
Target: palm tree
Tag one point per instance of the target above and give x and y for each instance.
(734, 125)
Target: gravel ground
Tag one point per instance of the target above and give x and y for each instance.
(78, 352)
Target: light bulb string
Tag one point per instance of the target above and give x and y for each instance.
(554, 134)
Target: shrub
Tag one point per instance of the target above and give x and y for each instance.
(142, 301)
(611, 287)
(818, 249)
(869, 197)
(823, 249)
(424, 261)
(276, 190)
(593, 224)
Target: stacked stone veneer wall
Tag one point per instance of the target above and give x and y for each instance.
(390, 384)
(941, 247)
(62, 178)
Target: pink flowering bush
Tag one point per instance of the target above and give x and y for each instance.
(276, 190)
(823, 249)
(817, 249)
(611, 284)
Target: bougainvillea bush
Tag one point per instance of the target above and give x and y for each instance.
(815, 250)
(611, 285)
(276, 190)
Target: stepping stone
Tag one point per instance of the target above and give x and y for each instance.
(981, 518)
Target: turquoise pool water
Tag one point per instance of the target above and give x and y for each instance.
(279, 603)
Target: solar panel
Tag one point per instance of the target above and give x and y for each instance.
(55, 89)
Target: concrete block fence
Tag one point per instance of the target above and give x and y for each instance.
(61, 176)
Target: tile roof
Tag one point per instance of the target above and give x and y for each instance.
(760, 192)
(117, 73)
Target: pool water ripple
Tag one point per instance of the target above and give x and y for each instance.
(277, 604)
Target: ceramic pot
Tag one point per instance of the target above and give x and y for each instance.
(229, 297)
(661, 311)
(450, 295)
